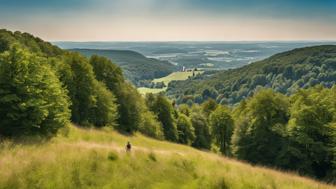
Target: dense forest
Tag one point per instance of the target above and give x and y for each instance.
(285, 73)
(43, 88)
(136, 67)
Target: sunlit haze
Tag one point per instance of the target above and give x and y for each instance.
(173, 20)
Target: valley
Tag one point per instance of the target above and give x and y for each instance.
(167, 94)
(246, 127)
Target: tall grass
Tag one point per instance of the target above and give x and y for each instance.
(97, 159)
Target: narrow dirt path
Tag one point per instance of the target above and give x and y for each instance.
(119, 149)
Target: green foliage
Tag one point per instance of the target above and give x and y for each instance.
(312, 132)
(81, 88)
(152, 156)
(105, 112)
(295, 133)
(136, 66)
(186, 133)
(165, 113)
(29, 42)
(131, 108)
(129, 100)
(184, 109)
(32, 100)
(258, 137)
(113, 156)
(150, 126)
(202, 131)
(222, 126)
(92, 103)
(285, 72)
(209, 106)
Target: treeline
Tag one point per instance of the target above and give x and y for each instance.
(296, 132)
(43, 88)
(284, 72)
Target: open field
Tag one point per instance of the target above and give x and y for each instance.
(97, 159)
(175, 76)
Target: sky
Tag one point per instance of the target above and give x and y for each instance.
(172, 20)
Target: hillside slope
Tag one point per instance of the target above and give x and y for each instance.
(284, 72)
(135, 65)
(96, 159)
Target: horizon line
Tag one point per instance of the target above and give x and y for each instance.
(194, 41)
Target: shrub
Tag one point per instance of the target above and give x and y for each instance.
(112, 156)
(152, 156)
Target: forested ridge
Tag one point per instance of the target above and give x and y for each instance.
(44, 88)
(136, 67)
(284, 72)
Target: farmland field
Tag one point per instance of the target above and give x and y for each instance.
(175, 76)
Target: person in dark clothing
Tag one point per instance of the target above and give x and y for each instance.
(128, 147)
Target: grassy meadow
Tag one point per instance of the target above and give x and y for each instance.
(175, 76)
(80, 158)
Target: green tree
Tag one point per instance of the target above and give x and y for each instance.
(92, 103)
(150, 126)
(222, 126)
(32, 100)
(186, 133)
(202, 131)
(129, 100)
(209, 106)
(105, 112)
(312, 132)
(259, 134)
(184, 109)
(81, 86)
(165, 113)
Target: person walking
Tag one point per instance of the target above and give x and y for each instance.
(128, 147)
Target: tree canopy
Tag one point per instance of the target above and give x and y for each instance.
(32, 99)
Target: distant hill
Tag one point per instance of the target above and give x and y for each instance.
(136, 66)
(284, 72)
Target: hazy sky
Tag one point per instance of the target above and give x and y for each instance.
(171, 20)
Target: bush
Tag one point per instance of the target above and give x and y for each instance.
(112, 156)
(152, 156)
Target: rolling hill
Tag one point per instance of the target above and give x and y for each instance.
(97, 159)
(136, 66)
(284, 72)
